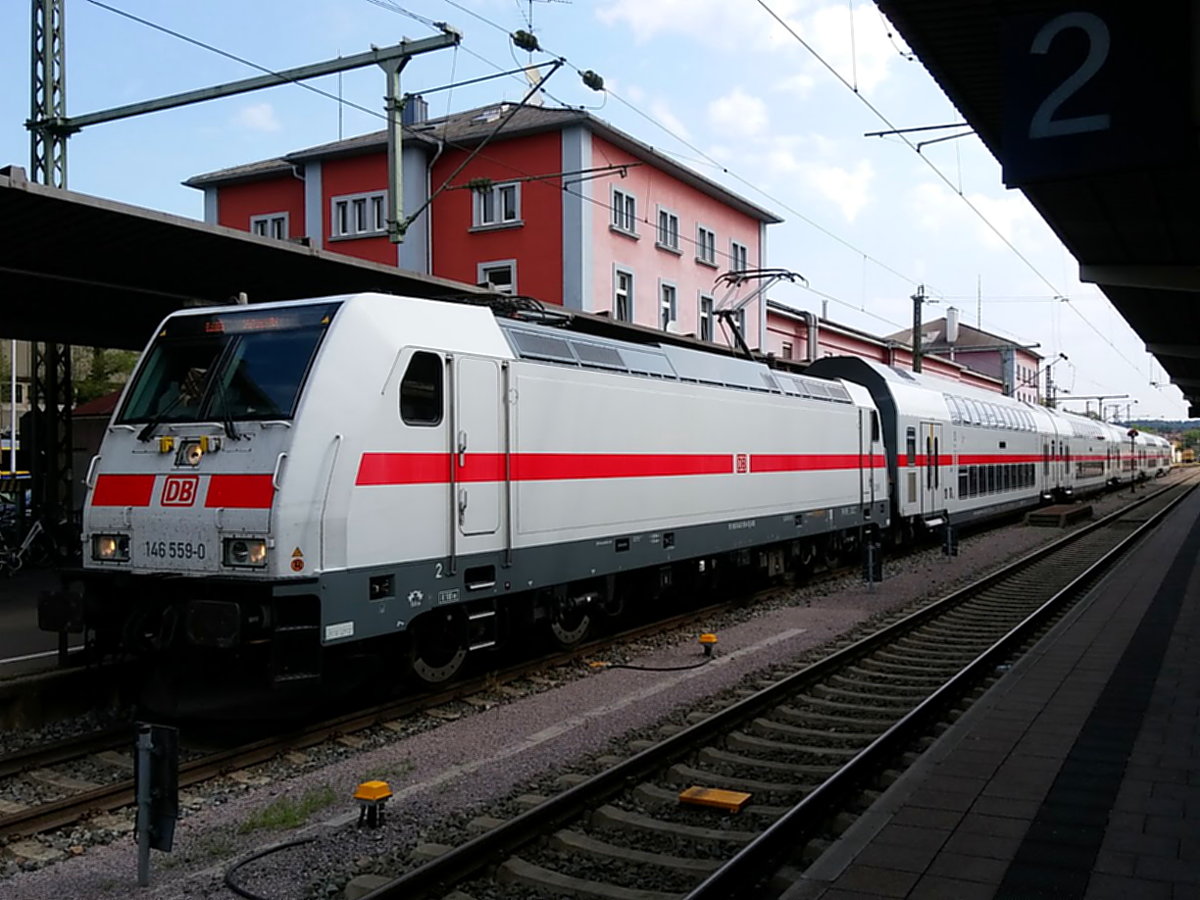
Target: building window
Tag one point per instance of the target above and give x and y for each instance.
(500, 275)
(706, 245)
(623, 295)
(624, 212)
(499, 204)
(359, 215)
(668, 230)
(785, 350)
(272, 225)
(666, 304)
(739, 257)
(706, 318)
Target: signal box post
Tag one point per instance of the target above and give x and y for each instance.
(156, 777)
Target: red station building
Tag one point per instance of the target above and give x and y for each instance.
(554, 204)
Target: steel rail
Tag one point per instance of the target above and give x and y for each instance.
(438, 875)
(67, 810)
(765, 853)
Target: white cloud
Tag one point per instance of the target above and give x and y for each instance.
(937, 209)
(738, 113)
(716, 23)
(667, 118)
(858, 49)
(848, 189)
(258, 117)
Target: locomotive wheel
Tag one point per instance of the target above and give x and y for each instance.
(437, 646)
(830, 552)
(805, 560)
(569, 623)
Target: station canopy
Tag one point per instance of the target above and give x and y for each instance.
(1090, 108)
(76, 269)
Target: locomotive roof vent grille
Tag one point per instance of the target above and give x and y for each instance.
(596, 355)
(542, 346)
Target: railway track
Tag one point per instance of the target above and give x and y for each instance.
(805, 748)
(74, 777)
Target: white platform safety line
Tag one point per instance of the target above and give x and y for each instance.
(27, 657)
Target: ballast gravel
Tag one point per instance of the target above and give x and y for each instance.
(477, 757)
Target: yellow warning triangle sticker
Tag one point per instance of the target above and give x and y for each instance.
(296, 553)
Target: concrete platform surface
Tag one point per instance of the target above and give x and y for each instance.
(1076, 776)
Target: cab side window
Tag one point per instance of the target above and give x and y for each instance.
(421, 390)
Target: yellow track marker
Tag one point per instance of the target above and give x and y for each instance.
(732, 801)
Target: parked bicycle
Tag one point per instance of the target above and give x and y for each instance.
(41, 546)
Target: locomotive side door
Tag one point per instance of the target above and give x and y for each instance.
(931, 451)
(478, 457)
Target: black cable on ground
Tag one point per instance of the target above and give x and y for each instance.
(244, 892)
(703, 662)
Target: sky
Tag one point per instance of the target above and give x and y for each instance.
(774, 99)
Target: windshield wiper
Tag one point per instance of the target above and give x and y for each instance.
(148, 432)
(222, 399)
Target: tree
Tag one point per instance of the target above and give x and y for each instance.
(97, 371)
(1190, 439)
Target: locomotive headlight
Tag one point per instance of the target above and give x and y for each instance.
(110, 547)
(245, 552)
(190, 453)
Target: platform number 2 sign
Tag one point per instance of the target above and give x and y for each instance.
(1044, 124)
(1099, 88)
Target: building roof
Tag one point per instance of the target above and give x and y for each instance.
(470, 127)
(933, 336)
(777, 308)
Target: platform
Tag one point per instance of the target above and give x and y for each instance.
(1076, 775)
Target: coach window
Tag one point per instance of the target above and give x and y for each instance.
(874, 426)
(912, 446)
(421, 390)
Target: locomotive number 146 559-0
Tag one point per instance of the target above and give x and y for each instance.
(175, 550)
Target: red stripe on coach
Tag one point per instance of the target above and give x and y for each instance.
(123, 490)
(240, 492)
(809, 462)
(563, 466)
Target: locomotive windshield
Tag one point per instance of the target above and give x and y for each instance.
(226, 367)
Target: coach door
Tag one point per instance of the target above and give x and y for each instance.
(931, 452)
(478, 466)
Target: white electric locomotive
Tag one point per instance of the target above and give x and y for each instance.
(291, 492)
(288, 486)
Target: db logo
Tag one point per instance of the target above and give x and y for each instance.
(180, 490)
(741, 463)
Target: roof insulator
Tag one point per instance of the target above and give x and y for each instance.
(592, 80)
(525, 40)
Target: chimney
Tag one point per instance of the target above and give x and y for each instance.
(952, 325)
(415, 111)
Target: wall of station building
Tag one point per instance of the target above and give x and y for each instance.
(240, 202)
(654, 263)
(534, 244)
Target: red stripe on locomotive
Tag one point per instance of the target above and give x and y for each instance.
(123, 490)
(240, 492)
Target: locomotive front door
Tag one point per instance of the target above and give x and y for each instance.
(478, 455)
(931, 451)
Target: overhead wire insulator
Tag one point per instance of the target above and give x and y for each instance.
(481, 185)
(525, 40)
(592, 80)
